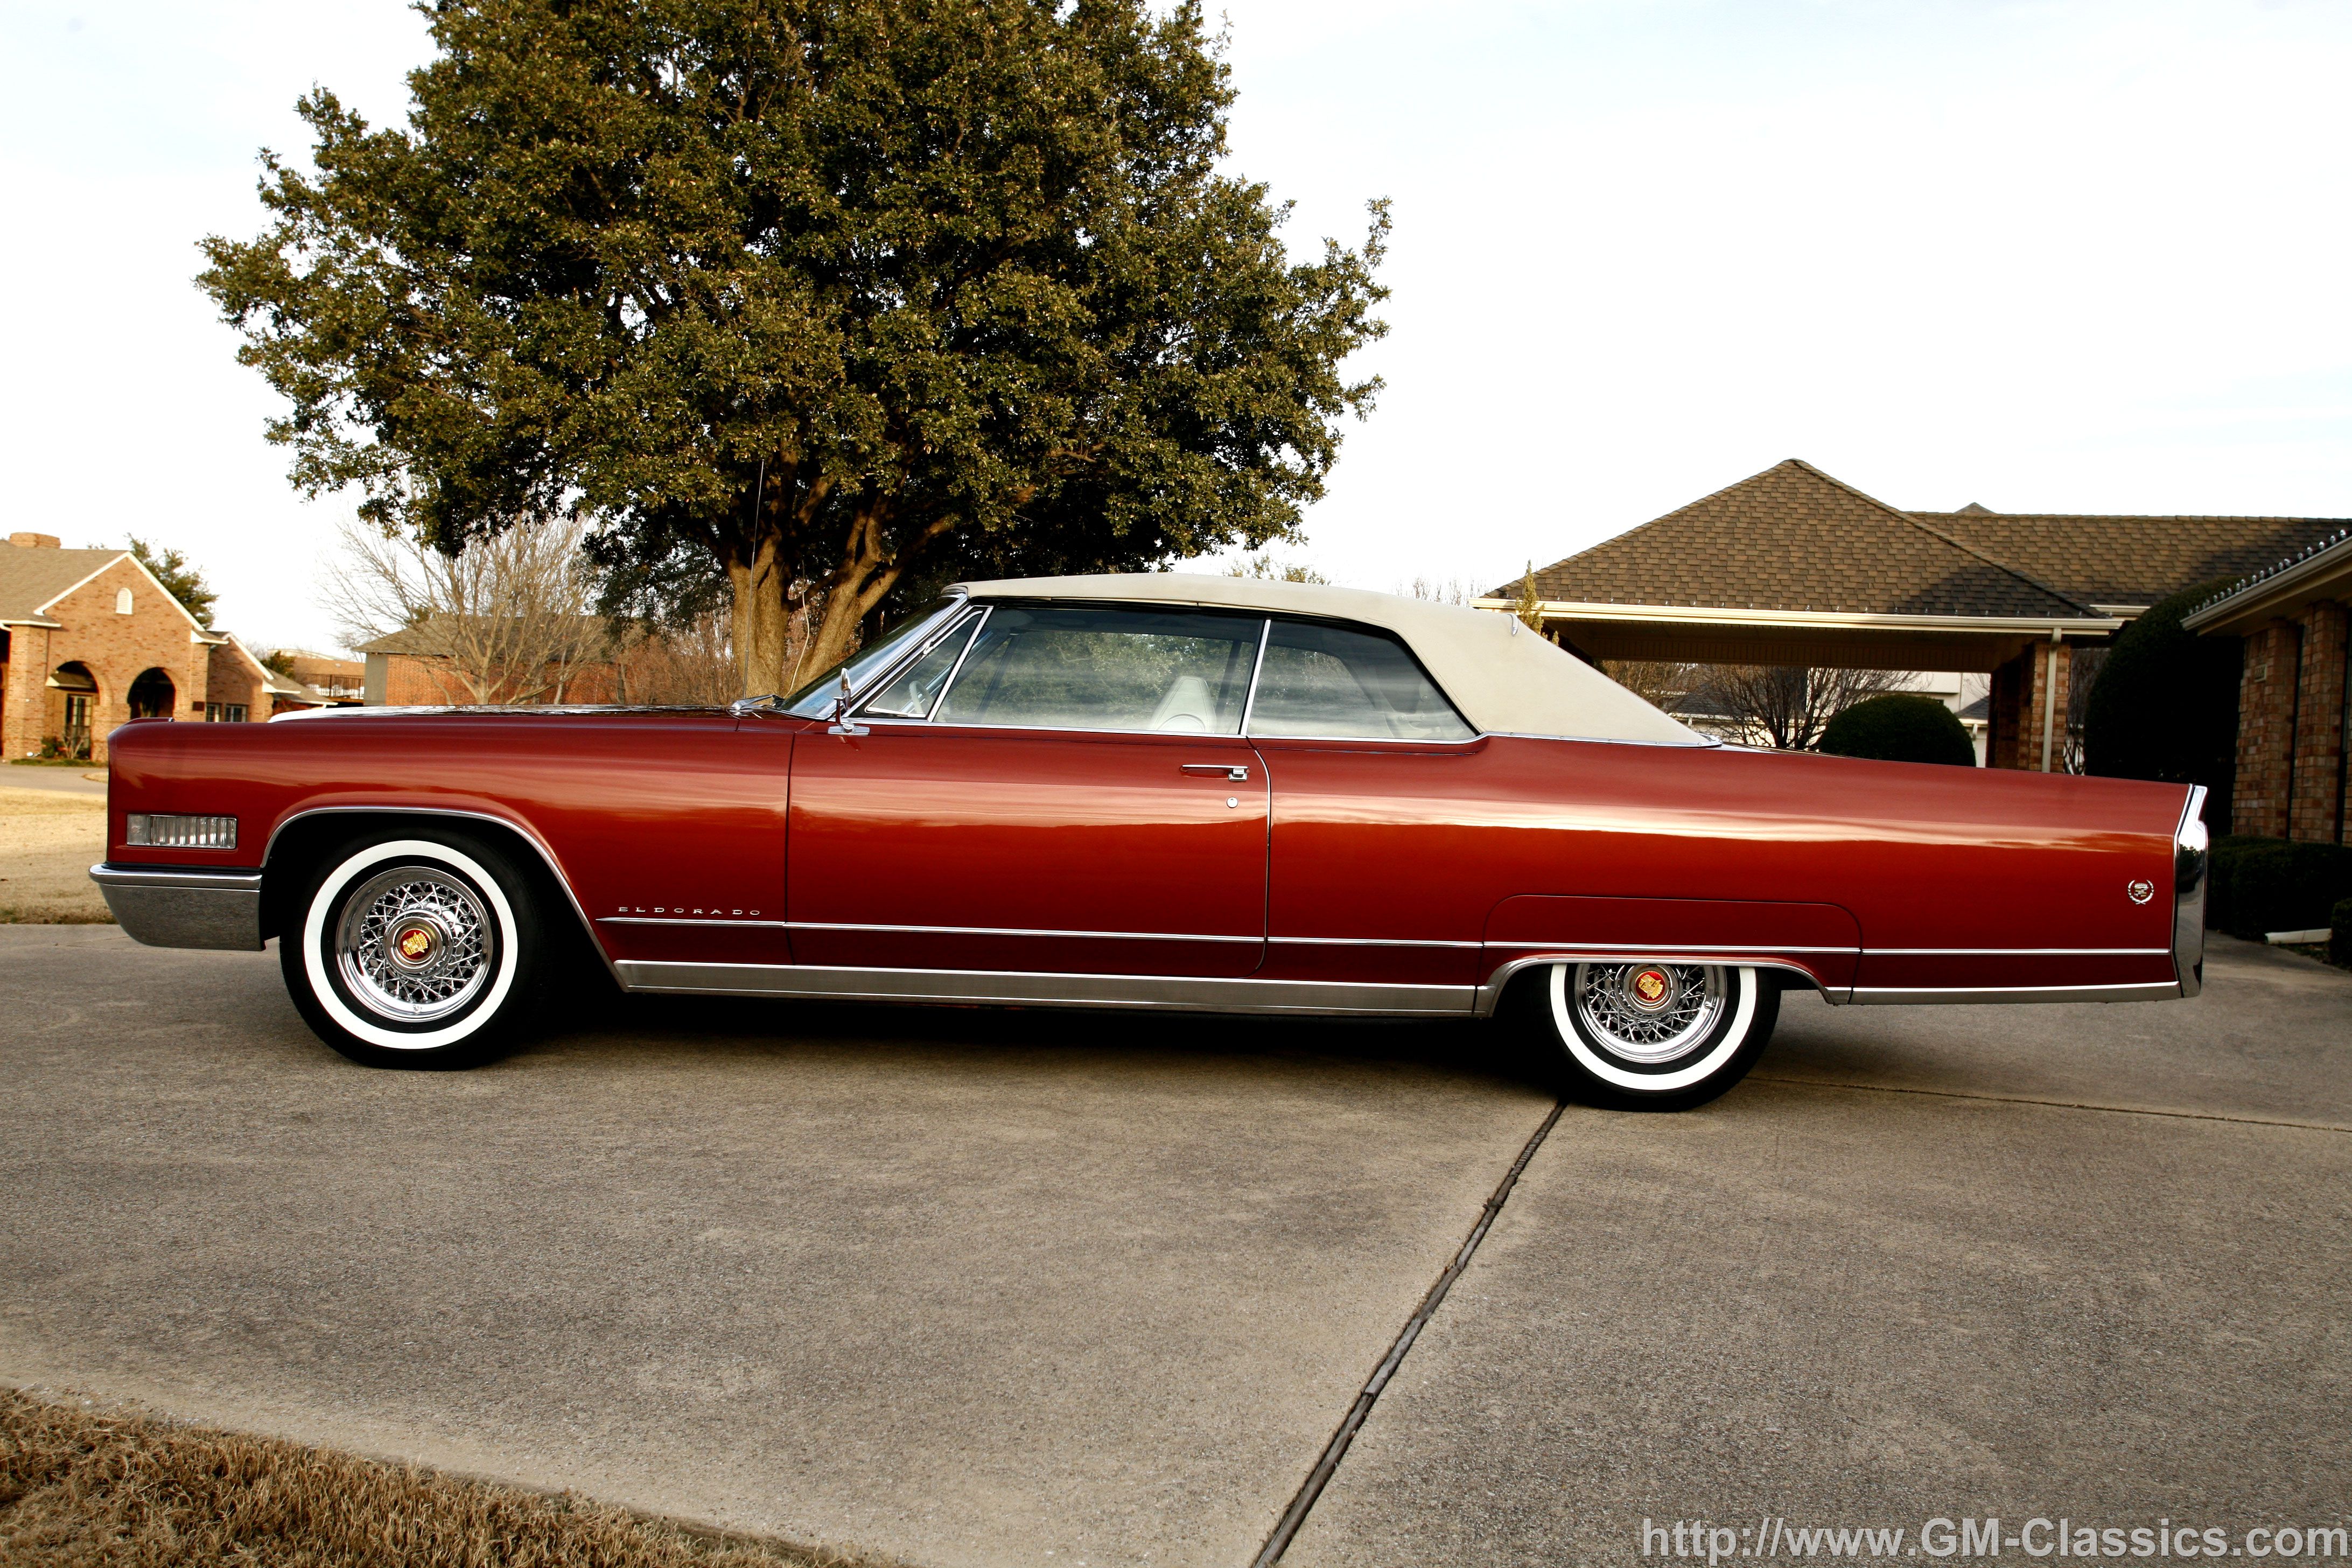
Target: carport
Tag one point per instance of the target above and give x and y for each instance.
(1793, 567)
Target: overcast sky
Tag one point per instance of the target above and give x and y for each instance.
(2084, 257)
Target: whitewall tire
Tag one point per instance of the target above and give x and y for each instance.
(1655, 1034)
(413, 951)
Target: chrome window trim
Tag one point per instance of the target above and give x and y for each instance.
(529, 834)
(976, 614)
(1050, 989)
(959, 599)
(1195, 736)
(1249, 699)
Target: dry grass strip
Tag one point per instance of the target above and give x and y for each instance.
(86, 1488)
(48, 839)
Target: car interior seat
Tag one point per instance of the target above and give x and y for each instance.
(1187, 706)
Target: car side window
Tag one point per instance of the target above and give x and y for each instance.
(1339, 683)
(1081, 668)
(911, 693)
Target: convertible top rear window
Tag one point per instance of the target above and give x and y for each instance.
(1339, 682)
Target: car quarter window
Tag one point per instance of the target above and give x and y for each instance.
(1073, 668)
(1340, 683)
(911, 692)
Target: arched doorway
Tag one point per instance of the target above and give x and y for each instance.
(73, 703)
(153, 695)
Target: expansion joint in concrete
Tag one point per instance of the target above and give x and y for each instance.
(2053, 1104)
(1326, 1465)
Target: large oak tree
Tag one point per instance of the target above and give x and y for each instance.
(827, 296)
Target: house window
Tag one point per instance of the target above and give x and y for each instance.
(122, 602)
(224, 712)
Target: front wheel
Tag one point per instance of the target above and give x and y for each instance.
(414, 951)
(1658, 1037)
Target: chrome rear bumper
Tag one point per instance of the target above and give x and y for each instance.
(183, 906)
(2190, 857)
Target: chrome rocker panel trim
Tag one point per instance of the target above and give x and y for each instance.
(1178, 993)
(183, 906)
(1892, 996)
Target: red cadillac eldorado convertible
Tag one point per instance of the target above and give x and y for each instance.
(1150, 791)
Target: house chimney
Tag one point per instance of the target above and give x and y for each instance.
(34, 540)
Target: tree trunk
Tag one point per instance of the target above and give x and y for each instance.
(830, 640)
(763, 620)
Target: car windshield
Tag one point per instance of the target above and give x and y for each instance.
(814, 700)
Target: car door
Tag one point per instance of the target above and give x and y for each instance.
(1377, 828)
(1045, 789)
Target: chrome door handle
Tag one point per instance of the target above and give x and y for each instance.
(1232, 770)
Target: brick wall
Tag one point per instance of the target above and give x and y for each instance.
(233, 680)
(2019, 700)
(2315, 814)
(2266, 703)
(415, 681)
(116, 649)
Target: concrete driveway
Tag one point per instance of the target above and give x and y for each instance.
(970, 1288)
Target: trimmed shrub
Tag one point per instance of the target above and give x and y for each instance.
(1900, 728)
(2339, 941)
(2263, 885)
(2165, 706)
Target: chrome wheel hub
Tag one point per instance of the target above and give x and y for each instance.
(415, 943)
(1649, 1013)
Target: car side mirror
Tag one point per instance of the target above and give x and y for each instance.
(841, 724)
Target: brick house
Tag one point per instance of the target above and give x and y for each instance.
(2294, 694)
(318, 680)
(411, 668)
(88, 638)
(1793, 567)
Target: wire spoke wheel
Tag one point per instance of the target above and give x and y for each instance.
(415, 943)
(1649, 1013)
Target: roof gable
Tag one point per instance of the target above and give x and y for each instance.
(1793, 539)
(33, 579)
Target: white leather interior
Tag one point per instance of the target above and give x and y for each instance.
(1187, 706)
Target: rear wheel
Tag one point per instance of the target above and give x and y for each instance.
(1655, 1035)
(417, 951)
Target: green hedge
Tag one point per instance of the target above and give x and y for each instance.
(2263, 885)
(2339, 945)
(2165, 705)
(1898, 728)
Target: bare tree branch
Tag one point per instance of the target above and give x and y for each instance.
(505, 621)
(1783, 706)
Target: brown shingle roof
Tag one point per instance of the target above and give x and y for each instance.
(30, 578)
(2131, 560)
(1792, 538)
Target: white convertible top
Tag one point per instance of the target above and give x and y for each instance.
(1505, 680)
